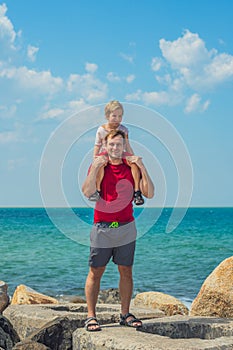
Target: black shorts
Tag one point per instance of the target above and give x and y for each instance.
(116, 243)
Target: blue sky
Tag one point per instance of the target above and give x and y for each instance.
(60, 57)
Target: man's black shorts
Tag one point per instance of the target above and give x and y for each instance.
(116, 243)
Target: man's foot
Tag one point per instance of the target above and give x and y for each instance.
(92, 325)
(130, 320)
(138, 199)
(95, 196)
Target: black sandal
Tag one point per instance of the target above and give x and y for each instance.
(95, 196)
(138, 199)
(124, 322)
(88, 324)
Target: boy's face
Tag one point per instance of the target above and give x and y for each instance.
(115, 117)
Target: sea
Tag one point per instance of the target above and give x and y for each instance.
(37, 251)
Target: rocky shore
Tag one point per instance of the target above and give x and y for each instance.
(31, 320)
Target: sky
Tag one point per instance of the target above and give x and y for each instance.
(170, 63)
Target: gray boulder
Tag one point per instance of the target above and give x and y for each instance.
(8, 336)
(30, 345)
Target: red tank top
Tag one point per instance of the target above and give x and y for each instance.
(117, 190)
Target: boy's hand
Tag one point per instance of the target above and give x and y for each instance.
(100, 161)
(134, 160)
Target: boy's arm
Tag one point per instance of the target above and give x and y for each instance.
(128, 148)
(146, 184)
(89, 185)
(96, 150)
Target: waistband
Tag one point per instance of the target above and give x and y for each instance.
(113, 224)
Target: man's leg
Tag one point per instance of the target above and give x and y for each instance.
(92, 288)
(126, 290)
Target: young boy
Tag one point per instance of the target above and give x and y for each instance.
(114, 113)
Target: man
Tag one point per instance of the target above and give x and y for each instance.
(114, 233)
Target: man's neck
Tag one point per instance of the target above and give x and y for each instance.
(115, 161)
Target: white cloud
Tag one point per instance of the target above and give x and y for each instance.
(7, 32)
(194, 104)
(91, 67)
(126, 57)
(52, 113)
(188, 50)
(157, 98)
(130, 78)
(31, 52)
(135, 96)
(8, 136)
(113, 77)
(28, 79)
(199, 68)
(156, 64)
(88, 87)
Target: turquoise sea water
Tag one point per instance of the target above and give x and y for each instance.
(34, 252)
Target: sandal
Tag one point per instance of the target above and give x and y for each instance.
(138, 199)
(130, 323)
(95, 196)
(88, 325)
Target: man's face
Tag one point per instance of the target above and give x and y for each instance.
(115, 146)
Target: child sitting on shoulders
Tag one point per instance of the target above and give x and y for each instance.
(114, 113)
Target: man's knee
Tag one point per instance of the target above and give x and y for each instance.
(125, 271)
(96, 272)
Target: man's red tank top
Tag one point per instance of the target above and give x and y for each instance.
(117, 190)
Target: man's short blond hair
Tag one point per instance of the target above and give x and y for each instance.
(112, 106)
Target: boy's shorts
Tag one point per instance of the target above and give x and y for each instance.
(116, 243)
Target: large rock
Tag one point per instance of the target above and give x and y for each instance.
(27, 295)
(8, 336)
(30, 319)
(4, 298)
(215, 297)
(56, 334)
(30, 345)
(164, 302)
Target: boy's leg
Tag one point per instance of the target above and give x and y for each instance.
(99, 178)
(138, 199)
(96, 196)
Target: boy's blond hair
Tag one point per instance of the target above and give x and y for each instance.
(112, 106)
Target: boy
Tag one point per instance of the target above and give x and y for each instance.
(114, 113)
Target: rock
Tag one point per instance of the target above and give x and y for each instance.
(215, 297)
(8, 336)
(27, 295)
(109, 296)
(56, 334)
(75, 299)
(4, 298)
(30, 345)
(164, 302)
(30, 319)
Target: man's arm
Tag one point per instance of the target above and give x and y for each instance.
(146, 184)
(89, 185)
